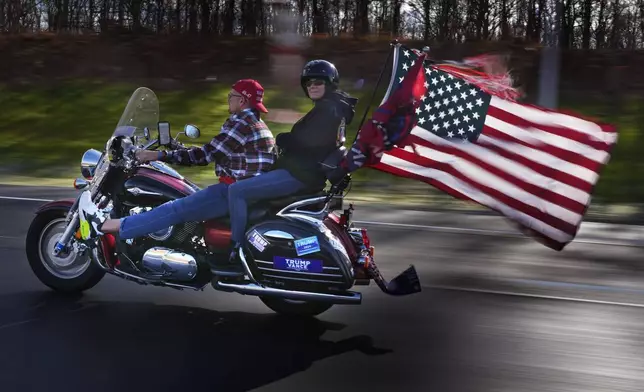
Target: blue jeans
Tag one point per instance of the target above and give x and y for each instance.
(208, 203)
(277, 183)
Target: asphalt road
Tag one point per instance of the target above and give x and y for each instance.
(498, 312)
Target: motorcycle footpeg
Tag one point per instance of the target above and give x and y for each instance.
(227, 274)
(228, 271)
(405, 284)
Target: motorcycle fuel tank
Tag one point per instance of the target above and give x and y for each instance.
(292, 254)
(151, 187)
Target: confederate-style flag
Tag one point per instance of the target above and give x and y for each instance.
(462, 132)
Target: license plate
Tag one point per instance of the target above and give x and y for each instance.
(297, 264)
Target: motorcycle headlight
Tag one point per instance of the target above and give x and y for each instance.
(88, 163)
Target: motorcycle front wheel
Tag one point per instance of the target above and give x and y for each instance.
(295, 308)
(70, 273)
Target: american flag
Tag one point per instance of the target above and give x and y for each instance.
(537, 167)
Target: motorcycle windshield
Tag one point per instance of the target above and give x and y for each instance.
(142, 111)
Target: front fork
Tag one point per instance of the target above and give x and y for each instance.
(72, 216)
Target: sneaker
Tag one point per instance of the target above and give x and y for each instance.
(91, 218)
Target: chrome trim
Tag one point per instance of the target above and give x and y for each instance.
(102, 169)
(301, 273)
(157, 260)
(191, 131)
(57, 265)
(167, 233)
(279, 234)
(350, 298)
(292, 208)
(80, 183)
(163, 168)
(136, 191)
(242, 257)
(303, 279)
(67, 234)
(89, 161)
(138, 279)
(150, 144)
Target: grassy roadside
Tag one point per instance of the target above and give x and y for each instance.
(45, 130)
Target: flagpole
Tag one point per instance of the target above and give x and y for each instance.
(392, 44)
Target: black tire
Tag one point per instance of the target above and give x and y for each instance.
(295, 308)
(88, 275)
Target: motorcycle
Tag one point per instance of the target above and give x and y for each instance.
(301, 255)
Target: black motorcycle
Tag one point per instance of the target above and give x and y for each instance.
(300, 256)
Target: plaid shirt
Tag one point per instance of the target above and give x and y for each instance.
(245, 147)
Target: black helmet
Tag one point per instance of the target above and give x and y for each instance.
(320, 69)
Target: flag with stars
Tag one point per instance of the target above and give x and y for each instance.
(537, 167)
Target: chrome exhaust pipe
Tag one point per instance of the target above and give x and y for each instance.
(350, 298)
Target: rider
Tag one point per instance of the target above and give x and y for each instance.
(244, 148)
(316, 135)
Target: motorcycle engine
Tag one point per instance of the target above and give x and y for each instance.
(178, 243)
(175, 235)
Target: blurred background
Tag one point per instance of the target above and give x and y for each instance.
(69, 66)
(498, 311)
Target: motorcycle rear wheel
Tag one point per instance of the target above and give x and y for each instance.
(66, 274)
(295, 308)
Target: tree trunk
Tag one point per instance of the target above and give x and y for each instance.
(505, 28)
(396, 17)
(192, 16)
(426, 20)
(205, 17)
(229, 18)
(586, 20)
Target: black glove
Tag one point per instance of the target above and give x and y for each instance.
(282, 140)
(337, 176)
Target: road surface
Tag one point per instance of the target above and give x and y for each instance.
(498, 312)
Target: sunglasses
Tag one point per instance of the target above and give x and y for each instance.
(315, 83)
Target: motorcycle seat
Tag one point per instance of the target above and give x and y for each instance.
(260, 209)
(281, 202)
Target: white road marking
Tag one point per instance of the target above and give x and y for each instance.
(23, 198)
(538, 296)
(443, 228)
(493, 233)
(448, 229)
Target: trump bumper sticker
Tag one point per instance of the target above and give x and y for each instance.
(307, 245)
(258, 241)
(298, 265)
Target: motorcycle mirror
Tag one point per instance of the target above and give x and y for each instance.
(192, 131)
(80, 183)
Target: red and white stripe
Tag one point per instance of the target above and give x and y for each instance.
(536, 167)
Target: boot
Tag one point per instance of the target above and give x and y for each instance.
(230, 267)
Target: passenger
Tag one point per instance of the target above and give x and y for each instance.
(316, 135)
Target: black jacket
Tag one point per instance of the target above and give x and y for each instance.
(314, 137)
